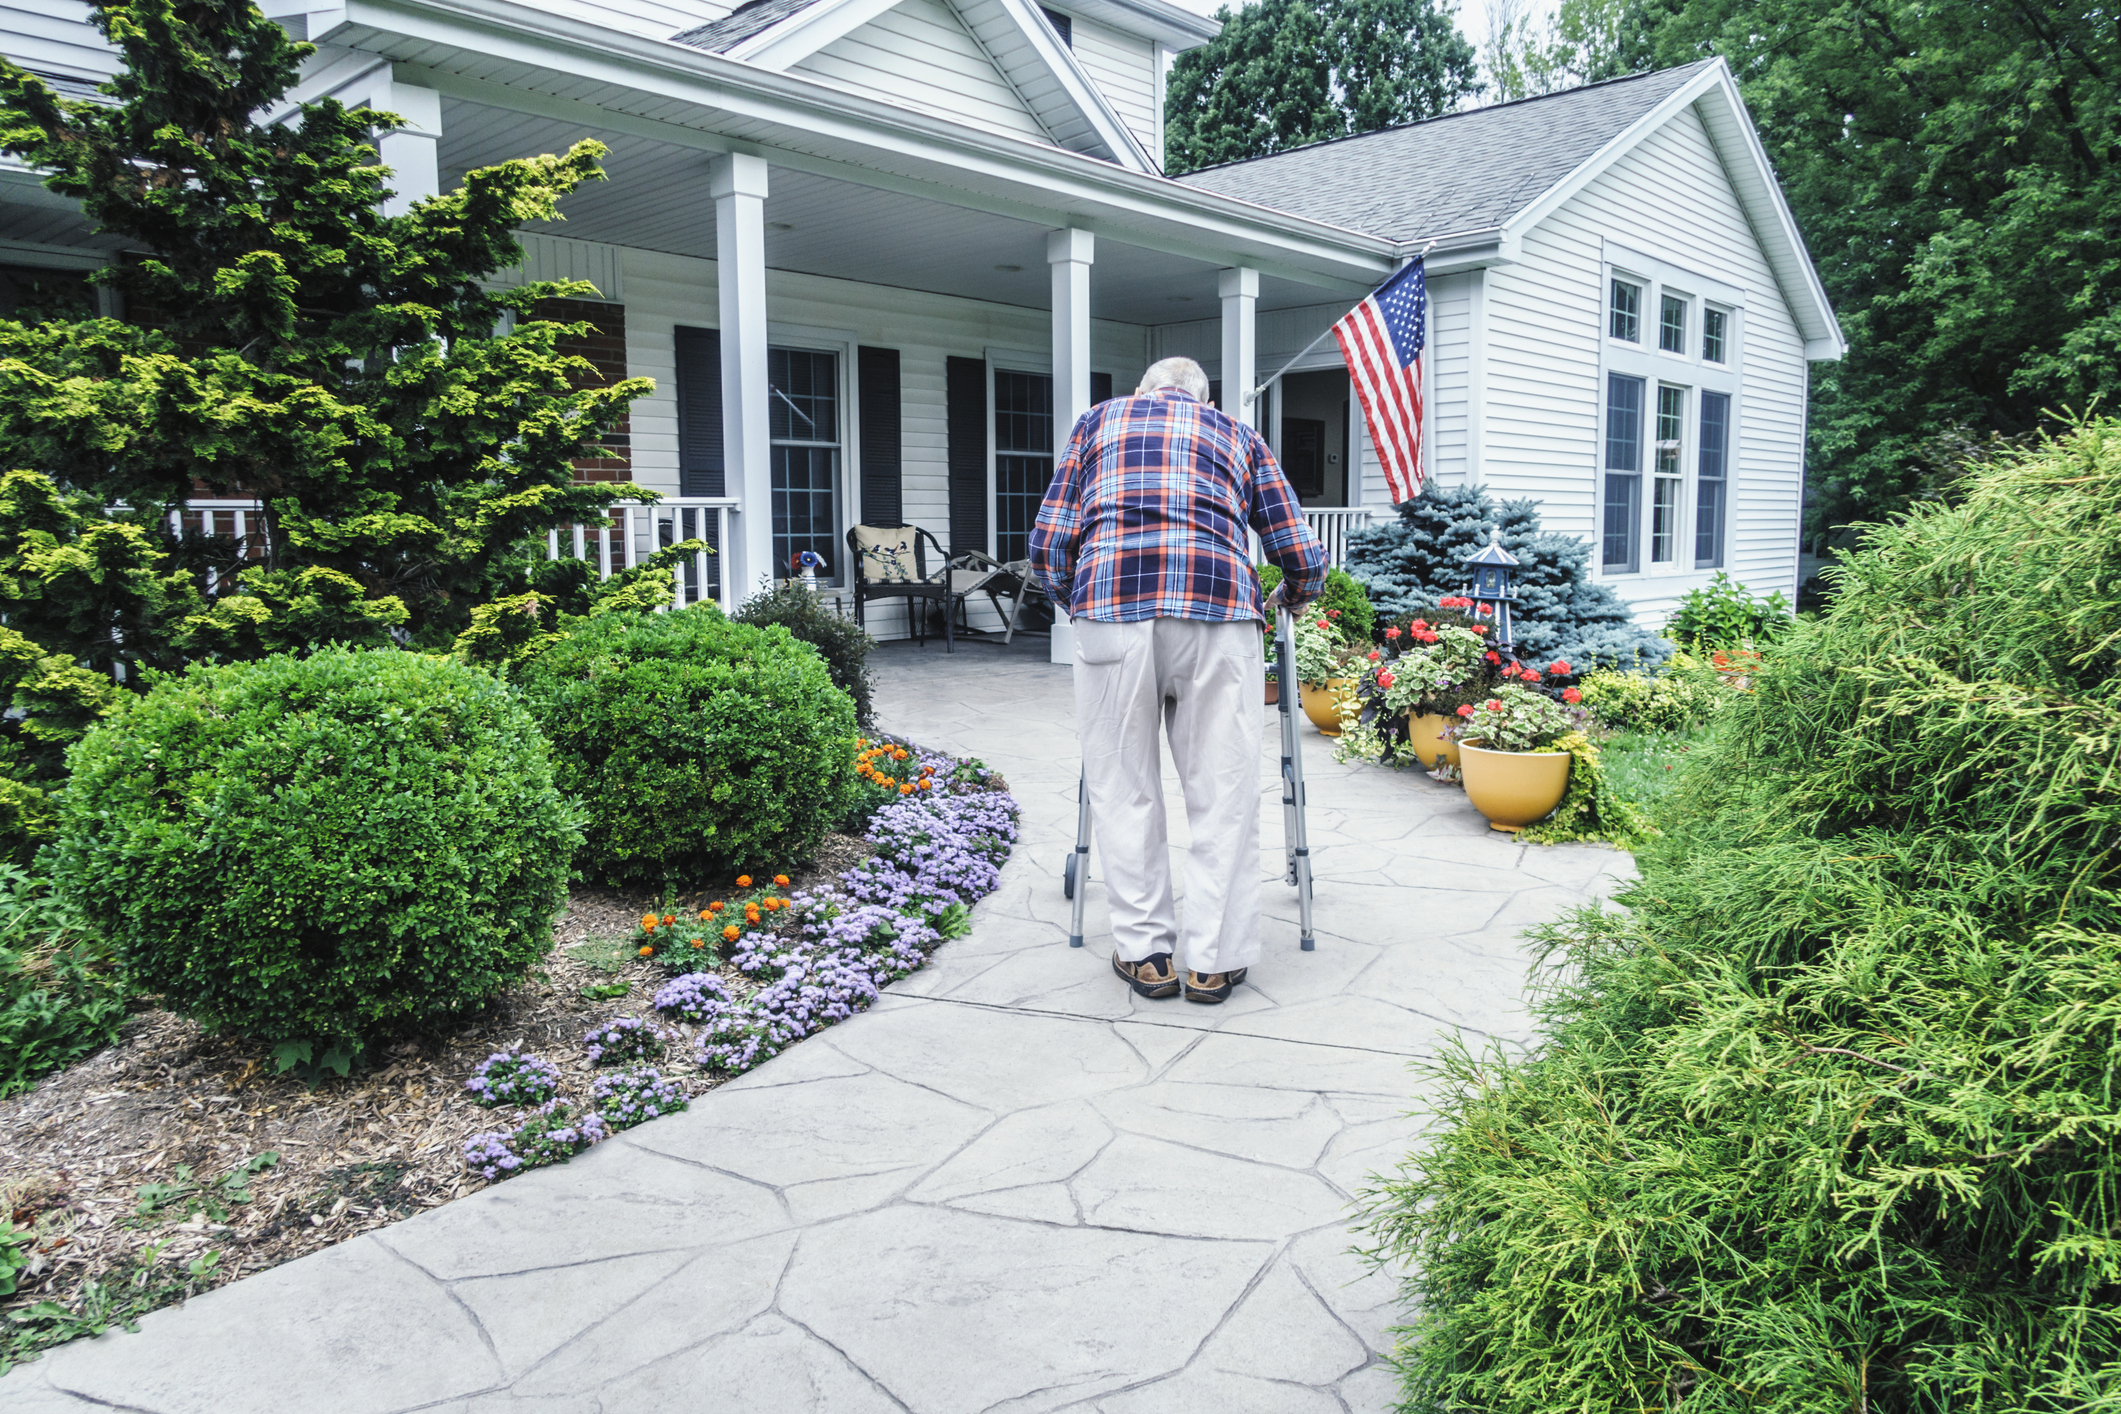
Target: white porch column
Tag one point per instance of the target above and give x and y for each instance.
(1070, 254)
(739, 186)
(410, 151)
(1240, 292)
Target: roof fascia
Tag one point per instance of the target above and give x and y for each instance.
(1076, 83)
(1175, 28)
(1760, 198)
(986, 171)
(781, 46)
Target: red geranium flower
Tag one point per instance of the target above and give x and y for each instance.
(1373, 655)
(1494, 704)
(1323, 624)
(1418, 625)
(1480, 628)
(1560, 668)
(1571, 696)
(1391, 633)
(1332, 613)
(1530, 675)
(1466, 710)
(1493, 656)
(1384, 680)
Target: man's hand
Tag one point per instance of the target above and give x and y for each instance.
(1277, 601)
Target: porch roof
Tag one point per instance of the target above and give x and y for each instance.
(668, 108)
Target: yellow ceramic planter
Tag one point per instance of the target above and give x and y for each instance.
(1425, 736)
(1322, 704)
(1513, 788)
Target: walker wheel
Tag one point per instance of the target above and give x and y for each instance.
(1068, 877)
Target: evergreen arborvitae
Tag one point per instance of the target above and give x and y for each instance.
(1827, 1119)
(288, 341)
(1409, 563)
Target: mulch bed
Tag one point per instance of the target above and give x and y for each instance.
(169, 1105)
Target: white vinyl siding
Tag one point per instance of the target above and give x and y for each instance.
(663, 291)
(1124, 69)
(55, 37)
(1547, 317)
(919, 56)
(651, 19)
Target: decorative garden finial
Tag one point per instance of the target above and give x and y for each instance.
(1488, 586)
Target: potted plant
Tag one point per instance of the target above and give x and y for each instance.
(1516, 768)
(1325, 671)
(1417, 679)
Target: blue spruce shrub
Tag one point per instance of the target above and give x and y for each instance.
(318, 848)
(1409, 563)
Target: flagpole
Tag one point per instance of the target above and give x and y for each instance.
(1253, 396)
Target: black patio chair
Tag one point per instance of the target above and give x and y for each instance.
(893, 562)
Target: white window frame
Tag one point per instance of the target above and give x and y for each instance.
(841, 344)
(1659, 367)
(1001, 360)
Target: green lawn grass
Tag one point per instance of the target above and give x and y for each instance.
(1643, 765)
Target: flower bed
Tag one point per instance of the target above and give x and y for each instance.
(940, 831)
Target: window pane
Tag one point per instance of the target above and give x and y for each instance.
(805, 516)
(1671, 328)
(1671, 427)
(1023, 458)
(1627, 311)
(1711, 490)
(803, 397)
(1622, 516)
(1712, 335)
(1664, 521)
(1623, 423)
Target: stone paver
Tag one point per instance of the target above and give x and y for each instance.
(1011, 1186)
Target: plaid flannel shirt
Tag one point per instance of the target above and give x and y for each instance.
(1146, 516)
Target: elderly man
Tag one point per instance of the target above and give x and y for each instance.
(1142, 540)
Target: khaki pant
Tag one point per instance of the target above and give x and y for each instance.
(1205, 684)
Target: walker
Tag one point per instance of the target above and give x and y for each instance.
(1075, 875)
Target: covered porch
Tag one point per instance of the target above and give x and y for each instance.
(852, 314)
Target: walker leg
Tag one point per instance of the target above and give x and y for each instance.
(1079, 865)
(1296, 836)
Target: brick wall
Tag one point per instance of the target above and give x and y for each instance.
(605, 348)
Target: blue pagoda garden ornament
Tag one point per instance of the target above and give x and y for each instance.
(1488, 586)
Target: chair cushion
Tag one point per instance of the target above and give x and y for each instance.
(885, 554)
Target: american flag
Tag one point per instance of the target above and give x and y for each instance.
(1382, 340)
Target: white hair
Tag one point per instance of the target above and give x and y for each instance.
(1181, 373)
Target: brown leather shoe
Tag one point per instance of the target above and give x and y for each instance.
(1212, 987)
(1153, 977)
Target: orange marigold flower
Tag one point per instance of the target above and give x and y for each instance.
(781, 879)
(705, 914)
(648, 922)
(731, 932)
(669, 918)
(925, 785)
(647, 952)
(905, 790)
(716, 907)
(699, 942)
(743, 881)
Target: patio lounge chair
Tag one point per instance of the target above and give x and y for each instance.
(892, 562)
(973, 573)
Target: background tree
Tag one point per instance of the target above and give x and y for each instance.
(1956, 170)
(1528, 51)
(1284, 73)
(345, 367)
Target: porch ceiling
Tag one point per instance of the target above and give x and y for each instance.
(656, 198)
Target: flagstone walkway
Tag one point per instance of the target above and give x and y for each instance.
(1012, 1186)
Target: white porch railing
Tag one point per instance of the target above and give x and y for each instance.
(634, 531)
(1333, 525)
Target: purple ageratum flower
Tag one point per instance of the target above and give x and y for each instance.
(511, 1078)
(490, 1157)
(623, 1039)
(696, 997)
(636, 1095)
(550, 1136)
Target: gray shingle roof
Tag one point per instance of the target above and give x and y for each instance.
(1466, 171)
(741, 23)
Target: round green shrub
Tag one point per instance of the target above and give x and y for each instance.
(700, 746)
(842, 643)
(1358, 620)
(321, 847)
(1686, 694)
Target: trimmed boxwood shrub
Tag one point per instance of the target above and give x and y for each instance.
(321, 847)
(842, 643)
(701, 747)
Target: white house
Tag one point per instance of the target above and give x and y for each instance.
(877, 255)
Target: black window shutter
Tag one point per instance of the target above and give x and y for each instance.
(883, 493)
(1100, 388)
(965, 385)
(700, 464)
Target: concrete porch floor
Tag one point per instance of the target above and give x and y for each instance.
(1011, 1186)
